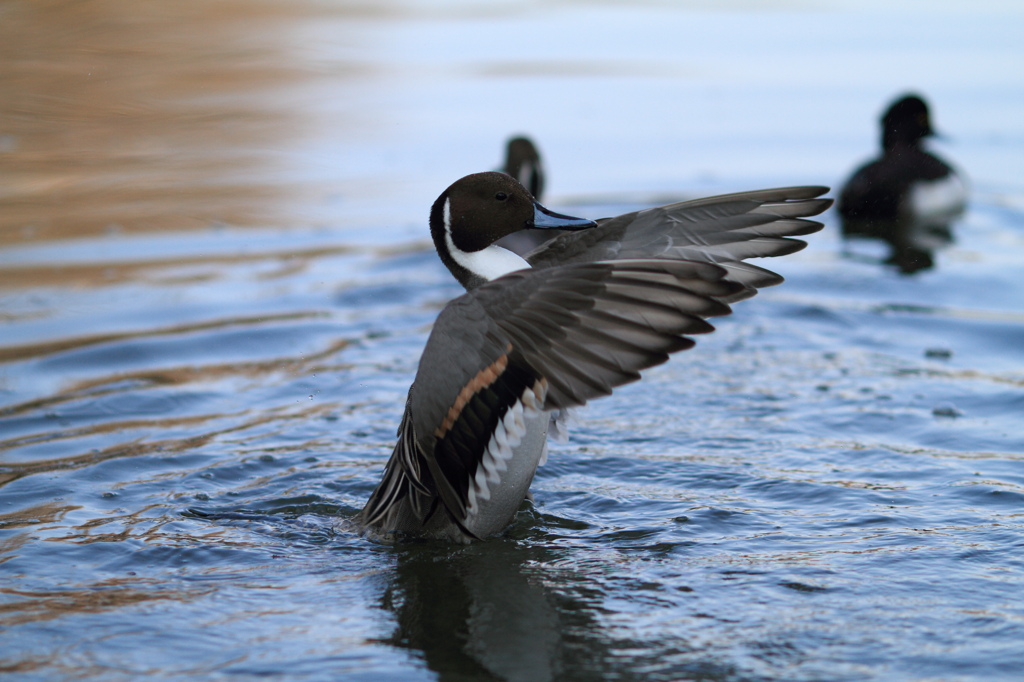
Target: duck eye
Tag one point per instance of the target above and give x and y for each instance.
(501, 196)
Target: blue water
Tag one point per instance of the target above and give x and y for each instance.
(215, 283)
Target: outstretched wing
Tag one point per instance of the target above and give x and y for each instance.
(725, 230)
(547, 339)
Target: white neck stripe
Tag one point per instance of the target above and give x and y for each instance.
(489, 263)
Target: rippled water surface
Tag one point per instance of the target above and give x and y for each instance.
(215, 284)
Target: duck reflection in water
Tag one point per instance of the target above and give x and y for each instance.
(511, 611)
(476, 614)
(908, 197)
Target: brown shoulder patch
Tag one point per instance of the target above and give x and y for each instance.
(484, 378)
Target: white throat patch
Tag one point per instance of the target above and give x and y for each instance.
(489, 263)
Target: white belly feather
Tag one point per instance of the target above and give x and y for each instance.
(937, 201)
(517, 448)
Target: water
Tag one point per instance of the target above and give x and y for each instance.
(215, 286)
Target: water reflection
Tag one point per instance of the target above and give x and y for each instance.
(912, 244)
(506, 610)
(908, 197)
(142, 116)
(475, 612)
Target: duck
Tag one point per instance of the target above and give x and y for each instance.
(908, 197)
(523, 162)
(534, 336)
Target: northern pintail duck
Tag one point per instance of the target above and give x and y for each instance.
(522, 162)
(572, 320)
(907, 196)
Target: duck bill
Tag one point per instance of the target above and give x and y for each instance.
(545, 219)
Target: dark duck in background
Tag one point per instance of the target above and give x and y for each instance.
(908, 197)
(522, 162)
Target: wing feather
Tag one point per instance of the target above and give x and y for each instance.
(724, 229)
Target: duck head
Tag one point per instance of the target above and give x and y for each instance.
(905, 122)
(478, 210)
